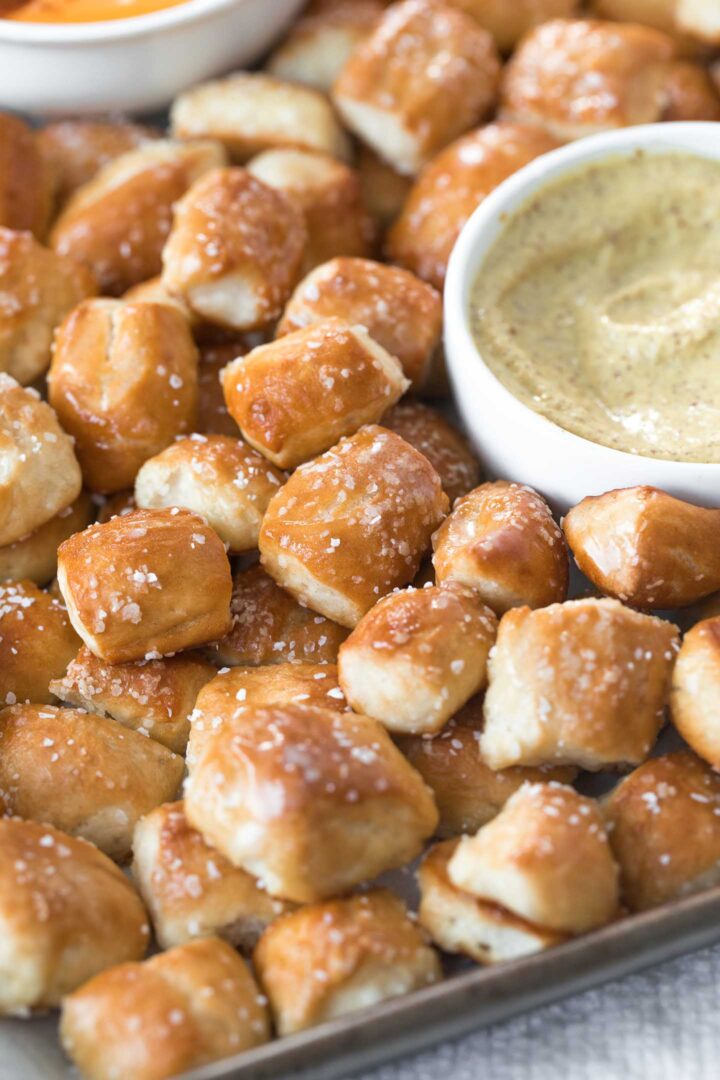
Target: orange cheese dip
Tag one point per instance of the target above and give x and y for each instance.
(80, 11)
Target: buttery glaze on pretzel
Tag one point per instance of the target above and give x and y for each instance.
(251, 112)
(123, 382)
(582, 683)
(330, 196)
(296, 396)
(502, 540)
(451, 187)
(352, 525)
(426, 73)
(400, 312)
(695, 687)
(37, 642)
(442, 444)
(146, 584)
(645, 547)
(38, 288)
(662, 820)
(25, 179)
(55, 889)
(187, 1007)
(327, 960)
(575, 77)
(235, 250)
(118, 222)
(191, 890)
(35, 556)
(310, 801)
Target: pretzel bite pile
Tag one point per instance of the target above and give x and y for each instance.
(267, 631)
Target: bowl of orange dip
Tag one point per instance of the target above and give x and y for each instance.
(95, 56)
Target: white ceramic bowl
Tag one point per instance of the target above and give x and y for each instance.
(514, 442)
(132, 65)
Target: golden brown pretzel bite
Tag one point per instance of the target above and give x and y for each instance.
(690, 93)
(662, 821)
(296, 396)
(38, 288)
(235, 250)
(191, 890)
(442, 444)
(502, 540)
(251, 112)
(123, 382)
(222, 479)
(40, 473)
(581, 683)
(353, 525)
(187, 1007)
(417, 656)
(270, 626)
(575, 77)
(425, 74)
(645, 547)
(695, 693)
(118, 222)
(317, 46)
(25, 179)
(37, 642)
(508, 22)
(84, 774)
(55, 889)
(154, 697)
(400, 312)
(35, 556)
(330, 196)
(146, 584)
(327, 960)
(154, 292)
(545, 857)
(76, 150)
(451, 187)
(311, 801)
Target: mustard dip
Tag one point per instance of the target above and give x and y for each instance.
(599, 305)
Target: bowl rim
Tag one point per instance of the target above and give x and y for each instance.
(110, 30)
(465, 262)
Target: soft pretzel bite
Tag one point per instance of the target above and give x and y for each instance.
(451, 187)
(696, 690)
(76, 150)
(327, 960)
(545, 857)
(40, 473)
(153, 291)
(662, 820)
(417, 656)
(700, 19)
(353, 525)
(384, 190)
(193, 1005)
(310, 801)
(37, 642)
(269, 626)
(467, 791)
(442, 444)
(508, 22)
(118, 222)
(123, 382)
(328, 193)
(154, 697)
(425, 74)
(38, 289)
(400, 312)
(646, 547)
(25, 179)
(296, 396)
(191, 890)
(213, 415)
(249, 112)
(84, 774)
(235, 250)
(315, 49)
(502, 540)
(35, 556)
(234, 692)
(478, 928)
(67, 913)
(149, 582)
(690, 93)
(222, 479)
(575, 77)
(582, 683)
(660, 14)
